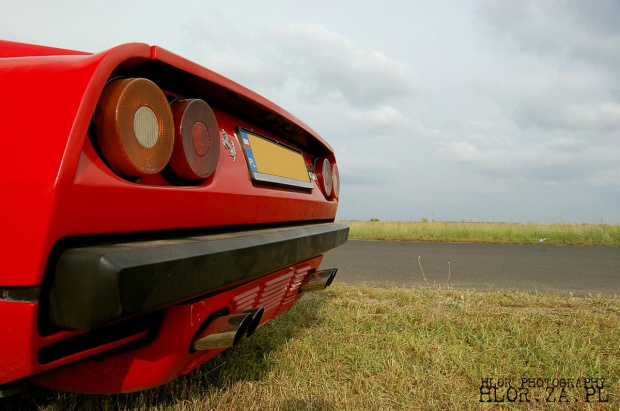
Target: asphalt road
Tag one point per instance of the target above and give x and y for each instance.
(581, 270)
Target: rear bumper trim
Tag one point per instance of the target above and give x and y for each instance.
(95, 285)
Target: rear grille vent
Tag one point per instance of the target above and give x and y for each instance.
(293, 287)
(246, 300)
(271, 296)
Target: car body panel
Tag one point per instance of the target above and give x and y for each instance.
(60, 193)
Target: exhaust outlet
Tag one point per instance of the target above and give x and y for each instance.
(257, 315)
(319, 280)
(224, 331)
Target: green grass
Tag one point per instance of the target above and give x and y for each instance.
(503, 233)
(361, 348)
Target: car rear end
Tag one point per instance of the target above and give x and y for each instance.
(156, 213)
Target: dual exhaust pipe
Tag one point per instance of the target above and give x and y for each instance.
(227, 330)
(319, 280)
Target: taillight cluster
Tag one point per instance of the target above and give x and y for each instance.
(139, 132)
(328, 177)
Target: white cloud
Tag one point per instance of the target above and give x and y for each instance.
(385, 120)
(325, 62)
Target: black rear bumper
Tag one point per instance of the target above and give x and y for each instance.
(95, 285)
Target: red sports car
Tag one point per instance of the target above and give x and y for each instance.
(155, 213)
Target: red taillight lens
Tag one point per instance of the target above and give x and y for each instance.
(196, 149)
(134, 125)
(335, 181)
(323, 171)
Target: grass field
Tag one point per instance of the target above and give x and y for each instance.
(367, 348)
(507, 233)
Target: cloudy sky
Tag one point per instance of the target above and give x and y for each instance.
(450, 110)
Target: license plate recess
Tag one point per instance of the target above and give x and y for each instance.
(272, 162)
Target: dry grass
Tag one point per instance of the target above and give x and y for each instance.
(360, 348)
(567, 234)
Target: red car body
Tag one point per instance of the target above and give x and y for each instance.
(184, 255)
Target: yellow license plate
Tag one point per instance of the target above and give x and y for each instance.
(272, 162)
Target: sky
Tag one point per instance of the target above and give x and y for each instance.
(449, 110)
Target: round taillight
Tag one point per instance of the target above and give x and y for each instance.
(323, 171)
(134, 125)
(196, 149)
(335, 181)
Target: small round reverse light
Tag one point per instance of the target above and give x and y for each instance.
(134, 125)
(335, 181)
(196, 149)
(323, 171)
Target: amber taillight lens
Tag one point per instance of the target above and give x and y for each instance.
(196, 149)
(323, 171)
(134, 126)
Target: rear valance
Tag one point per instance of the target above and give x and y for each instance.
(95, 285)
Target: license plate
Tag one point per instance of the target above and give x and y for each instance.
(272, 162)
